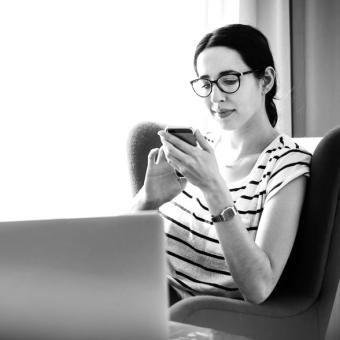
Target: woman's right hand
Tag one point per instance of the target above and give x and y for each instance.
(161, 184)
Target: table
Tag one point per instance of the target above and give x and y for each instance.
(181, 331)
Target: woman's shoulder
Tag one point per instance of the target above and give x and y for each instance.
(283, 157)
(285, 146)
(285, 160)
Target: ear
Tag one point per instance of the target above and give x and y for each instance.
(268, 79)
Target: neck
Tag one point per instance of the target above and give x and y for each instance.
(252, 138)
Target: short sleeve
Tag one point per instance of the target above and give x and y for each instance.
(289, 165)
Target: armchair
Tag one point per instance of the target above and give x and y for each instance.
(301, 305)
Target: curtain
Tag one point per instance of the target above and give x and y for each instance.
(315, 66)
(272, 18)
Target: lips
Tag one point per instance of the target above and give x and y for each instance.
(223, 113)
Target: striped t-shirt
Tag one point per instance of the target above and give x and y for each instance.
(196, 264)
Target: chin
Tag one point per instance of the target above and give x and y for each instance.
(226, 124)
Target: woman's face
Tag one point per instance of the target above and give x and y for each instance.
(236, 110)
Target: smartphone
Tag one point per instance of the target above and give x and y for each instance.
(183, 133)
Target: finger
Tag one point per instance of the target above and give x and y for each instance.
(204, 144)
(152, 156)
(168, 153)
(171, 151)
(161, 156)
(176, 164)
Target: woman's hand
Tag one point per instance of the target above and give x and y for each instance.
(161, 183)
(197, 164)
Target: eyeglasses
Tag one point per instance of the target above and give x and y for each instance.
(228, 83)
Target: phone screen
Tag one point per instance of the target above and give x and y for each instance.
(185, 134)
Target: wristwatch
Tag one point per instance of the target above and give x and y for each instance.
(226, 215)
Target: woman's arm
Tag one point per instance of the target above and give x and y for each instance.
(257, 266)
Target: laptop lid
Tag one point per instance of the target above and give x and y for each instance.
(87, 278)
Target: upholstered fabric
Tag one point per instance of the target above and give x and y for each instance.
(142, 138)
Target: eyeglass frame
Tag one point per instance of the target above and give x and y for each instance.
(212, 82)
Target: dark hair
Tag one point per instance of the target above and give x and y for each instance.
(254, 49)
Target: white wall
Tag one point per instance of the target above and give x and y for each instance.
(75, 75)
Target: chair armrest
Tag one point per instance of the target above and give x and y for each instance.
(279, 318)
(283, 305)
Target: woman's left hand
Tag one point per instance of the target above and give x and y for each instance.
(197, 163)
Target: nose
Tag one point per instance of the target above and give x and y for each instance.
(216, 95)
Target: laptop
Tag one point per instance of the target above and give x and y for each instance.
(87, 278)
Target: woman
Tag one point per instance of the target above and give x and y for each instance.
(231, 222)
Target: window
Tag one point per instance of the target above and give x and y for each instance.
(75, 77)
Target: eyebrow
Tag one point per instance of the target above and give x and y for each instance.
(223, 73)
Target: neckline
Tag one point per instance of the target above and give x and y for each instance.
(245, 179)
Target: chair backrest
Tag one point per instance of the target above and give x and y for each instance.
(143, 137)
(313, 267)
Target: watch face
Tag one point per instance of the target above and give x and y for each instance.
(228, 213)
